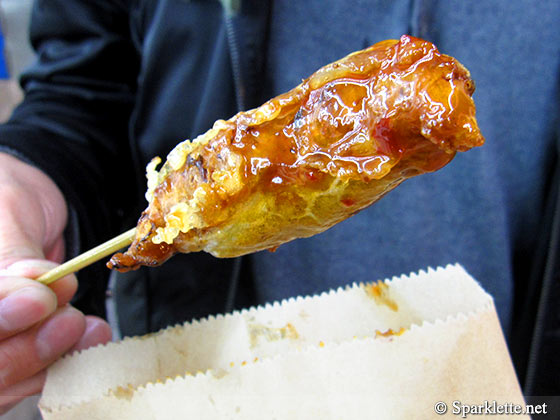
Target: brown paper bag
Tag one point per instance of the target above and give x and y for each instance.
(406, 348)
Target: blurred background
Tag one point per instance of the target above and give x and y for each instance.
(15, 51)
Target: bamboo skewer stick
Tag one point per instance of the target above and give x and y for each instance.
(88, 257)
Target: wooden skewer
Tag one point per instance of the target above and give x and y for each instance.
(88, 257)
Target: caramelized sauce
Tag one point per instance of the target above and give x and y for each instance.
(368, 121)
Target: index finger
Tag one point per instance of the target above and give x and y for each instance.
(64, 288)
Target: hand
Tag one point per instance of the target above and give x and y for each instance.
(37, 325)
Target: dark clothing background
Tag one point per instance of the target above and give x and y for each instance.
(118, 82)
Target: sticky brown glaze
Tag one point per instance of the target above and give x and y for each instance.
(311, 157)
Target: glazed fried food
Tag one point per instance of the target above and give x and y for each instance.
(309, 158)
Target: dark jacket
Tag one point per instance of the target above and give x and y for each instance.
(118, 82)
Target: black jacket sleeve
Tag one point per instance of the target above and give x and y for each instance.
(73, 122)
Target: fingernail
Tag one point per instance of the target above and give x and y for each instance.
(60, 333)
(25, 307)
(97, 332)
(30, 268)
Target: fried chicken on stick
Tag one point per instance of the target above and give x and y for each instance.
(309, 158)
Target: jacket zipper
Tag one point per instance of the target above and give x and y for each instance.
(231, 7)
(234, 51)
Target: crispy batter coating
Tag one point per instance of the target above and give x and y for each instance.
(309, 158)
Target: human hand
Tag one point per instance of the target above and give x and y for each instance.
(37, 325)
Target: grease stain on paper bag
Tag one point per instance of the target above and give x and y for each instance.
(259, 331)
(380, 293)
